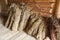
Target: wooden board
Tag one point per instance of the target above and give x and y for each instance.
(31, 0)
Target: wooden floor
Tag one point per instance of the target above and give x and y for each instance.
(6, 34)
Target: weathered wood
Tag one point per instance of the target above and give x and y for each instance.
(9, 18)
(31, 21)
(42, 31)
(34, 27)
(17, 18)
(26, 14)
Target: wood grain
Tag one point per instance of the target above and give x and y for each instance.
(31, 1)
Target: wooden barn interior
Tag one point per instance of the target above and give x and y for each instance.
(48, 11)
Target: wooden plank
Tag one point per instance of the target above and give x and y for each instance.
(44, 0)
(38, 0)
(18, 1)
(57, 9)
(42, 7)
(42, 4)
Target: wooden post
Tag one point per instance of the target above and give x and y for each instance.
(57, 9)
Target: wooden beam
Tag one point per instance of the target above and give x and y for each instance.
(44, 0)
(57, 9)
(18, 1)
